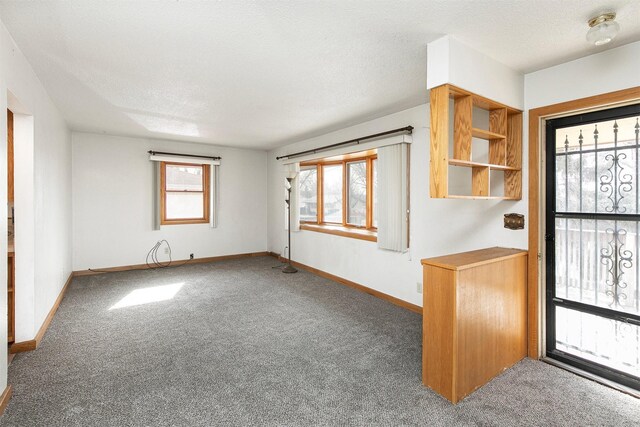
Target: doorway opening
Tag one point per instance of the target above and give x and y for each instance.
(21, 221)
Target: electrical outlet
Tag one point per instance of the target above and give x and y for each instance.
(419, 287)
(166, 250)
(190, 256)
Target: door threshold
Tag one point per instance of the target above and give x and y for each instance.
(588, 375)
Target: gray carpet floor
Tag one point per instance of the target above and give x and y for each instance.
(243, 344)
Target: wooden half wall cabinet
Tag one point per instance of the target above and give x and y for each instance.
(504, 136)
(474, 318)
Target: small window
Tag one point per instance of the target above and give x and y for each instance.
(184, 193)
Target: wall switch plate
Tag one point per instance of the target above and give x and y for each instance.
(419, 287)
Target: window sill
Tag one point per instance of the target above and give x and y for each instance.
(338, 230)
(184, 221)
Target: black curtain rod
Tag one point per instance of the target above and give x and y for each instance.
(405, 130)
(184, 155)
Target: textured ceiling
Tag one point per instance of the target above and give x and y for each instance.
(264, 73)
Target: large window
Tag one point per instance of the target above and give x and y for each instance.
(339, 192)
(184, 197)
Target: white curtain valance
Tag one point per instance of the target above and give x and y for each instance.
(364, 146)
(214, 175)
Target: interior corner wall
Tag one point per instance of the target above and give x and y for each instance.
(437, 226)
(25, 224)
(52, 195)
(113, 203)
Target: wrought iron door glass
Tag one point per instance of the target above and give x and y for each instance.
(593, 259)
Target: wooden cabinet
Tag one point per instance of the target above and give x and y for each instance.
(504, 137)
(11, 280)
(10, 157)
(11, 274)
(474, 318)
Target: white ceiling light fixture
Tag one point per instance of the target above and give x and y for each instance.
(603, 29)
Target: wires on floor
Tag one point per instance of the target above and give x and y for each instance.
(153, 254)
(152, 261)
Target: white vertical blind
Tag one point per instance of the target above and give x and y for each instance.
(214, 175)
(292, 171)
(393, 184)
(156, 195)
(214, 202)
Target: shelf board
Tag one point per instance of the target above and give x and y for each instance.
(485, 134)
(453, 196)
(470, 164)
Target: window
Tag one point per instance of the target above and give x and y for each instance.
(332, 193)
(374, 214)
(357, 193)
(308, 194)
(339, 193)
(184, 197)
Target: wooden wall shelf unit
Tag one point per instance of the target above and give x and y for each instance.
(504, 136)
(474, 318)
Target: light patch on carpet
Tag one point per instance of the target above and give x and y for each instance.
(148, 295)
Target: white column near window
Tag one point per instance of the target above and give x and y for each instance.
(214, 173)
(393, 182)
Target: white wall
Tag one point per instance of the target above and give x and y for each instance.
(113, 209)
(438, 226)
(51, 207)
(451, 61)
(603, 72)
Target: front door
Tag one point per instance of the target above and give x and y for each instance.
(593, 242)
